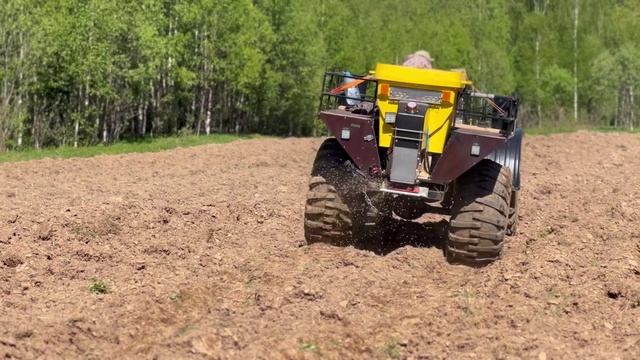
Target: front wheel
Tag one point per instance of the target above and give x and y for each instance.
(327, 219)
(480, 214)
(334, 209)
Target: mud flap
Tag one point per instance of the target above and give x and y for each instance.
(509, 156)
(356, 135)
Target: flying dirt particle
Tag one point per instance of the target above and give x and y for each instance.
(608, 325)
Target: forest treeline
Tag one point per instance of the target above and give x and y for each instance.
(90, 71)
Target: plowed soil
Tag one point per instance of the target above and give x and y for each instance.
(198, 251)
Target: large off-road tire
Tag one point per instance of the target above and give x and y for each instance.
(327, 219)
(512, 225)
(479, 214)
(333, 209)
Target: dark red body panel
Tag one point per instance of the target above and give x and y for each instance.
(457, 158)
(362, 145)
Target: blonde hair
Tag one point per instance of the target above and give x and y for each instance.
(422, 53)
(421, 59)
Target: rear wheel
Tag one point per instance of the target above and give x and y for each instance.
(335, 203)
(480, 214)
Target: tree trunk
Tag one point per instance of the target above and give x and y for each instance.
(140, 118)
(193, 113)
(207, 123)
(105, 119)
(632, 115)
(21, 85)
(220, 112)
(143, 126)
(201, 109)
(575, 60)
(116, 124)
(36, 123)
(76, 130)
(76, 122)
(537, 70)
(104, 129)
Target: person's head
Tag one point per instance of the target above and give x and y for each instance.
(421, 59)
(423, 53)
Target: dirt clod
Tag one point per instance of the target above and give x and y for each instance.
(12, 261)
(44, 232)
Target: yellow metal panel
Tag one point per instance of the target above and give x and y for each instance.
(437, 124)
(421, 77)
(386, 130)
(439, 117)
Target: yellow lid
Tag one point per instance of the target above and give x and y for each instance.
(421, 77)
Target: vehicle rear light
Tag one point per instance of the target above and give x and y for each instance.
(384, 90)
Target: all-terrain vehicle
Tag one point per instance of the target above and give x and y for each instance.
(410, 141)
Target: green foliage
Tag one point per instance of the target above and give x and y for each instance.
(391, 350)
(132, 146)
(308, 347)
(175, 298)
(98, 287)
(86, 72)
(558, 83)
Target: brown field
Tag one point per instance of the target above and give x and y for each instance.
(197, 253)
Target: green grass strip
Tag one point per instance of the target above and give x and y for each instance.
(134, 146)
(545, 131)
